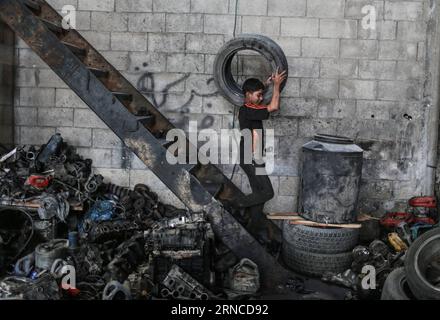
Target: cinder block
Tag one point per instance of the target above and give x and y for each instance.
(359, 49)
(385, 30)
(187, 23)
(320, 47)
(209, 63)
(298, 107)
(251, 7)
(325, 8)
(403, 10)
(209, 6)
(105, 138)
(119, 177)
(159, 83)
(410, 70)
(55, 117)
(35, 135)
(29, 59)
(128, 41)
(99, 40)
(96, 5)
(421, 51)
(203, 43)
(289, 186)
(299, 27)
(166, 42)
(379, 170)
(109, 21)
(77, 137)
(287, 8)
(374, 69)
(290, 46)
(372, 110)
(217, 105)
(379, 150)
(291, 89)
(344, 29)
(147, 62)
(319, 88)
(353, 8)
(83, 20)
(59, 4)
(46, 78)
(173, 6)
(329, 108)
(397, 50)
(186, 103)
(25, 77)
(283, 126)
(309, 127)
(37, 97)
(134, 5)
(399, 90)
(269, 26)
(357, 89)
(203, 84)
(221, 24)
(411, 31)
(146, 22)
(119, 59)
(66, 98)
(102, 158)
(85, 118)
(25, 116)
(339, 68)
(193, 63)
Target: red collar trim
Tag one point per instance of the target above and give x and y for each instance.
(255, 106)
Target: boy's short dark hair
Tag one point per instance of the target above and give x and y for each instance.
(252, 85)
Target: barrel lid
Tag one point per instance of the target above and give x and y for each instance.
(333, 139)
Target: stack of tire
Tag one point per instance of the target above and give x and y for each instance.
(314, 251)
(420, 278)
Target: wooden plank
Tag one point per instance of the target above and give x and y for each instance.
(317, 224)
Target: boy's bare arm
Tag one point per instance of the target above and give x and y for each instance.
(277, 79)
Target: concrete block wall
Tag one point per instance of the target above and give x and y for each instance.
(344, 79)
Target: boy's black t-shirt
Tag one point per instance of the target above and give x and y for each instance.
(250, 117)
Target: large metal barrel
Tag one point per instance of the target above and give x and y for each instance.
(330, 179)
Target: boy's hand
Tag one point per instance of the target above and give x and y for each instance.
(278, 77)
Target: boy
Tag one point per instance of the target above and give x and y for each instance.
(250, 117)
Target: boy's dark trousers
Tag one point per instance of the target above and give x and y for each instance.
(262, 191)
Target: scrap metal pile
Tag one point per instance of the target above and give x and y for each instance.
(65, 234)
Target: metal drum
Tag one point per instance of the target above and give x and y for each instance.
(331, 176)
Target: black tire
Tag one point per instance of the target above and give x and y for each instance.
(223, 78)
(424, 250)
(396, 287)
(315, 264)
(320, 240)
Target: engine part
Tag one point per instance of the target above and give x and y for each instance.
(223, 70)
(120, 192)
(93, 183)
(24, 266)
(404, 232)
(57, 268)
(45, 229)
(348, 278)
(38, 182)
(397, 243)
(114, 290)
(378, 247)
(423, 251)
(396, 286)
(141, 283)
(52, 148)
(425, 202)
(179, 284)
(43, 288)
(244, 277)
(320, 240)
(100, 231)
(54, 206)
(392, 219)
(47, 253)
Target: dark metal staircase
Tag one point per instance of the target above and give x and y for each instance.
(137, 123)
